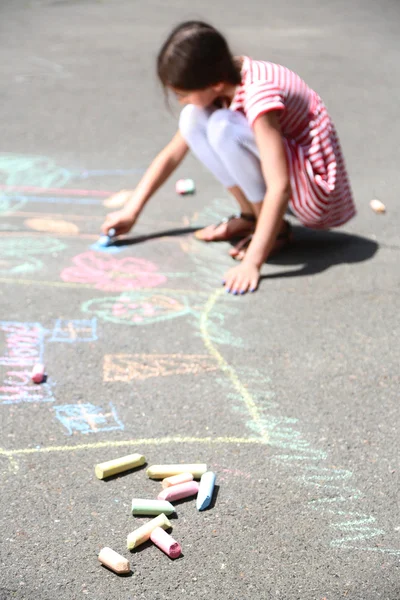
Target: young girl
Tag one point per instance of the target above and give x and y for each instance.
(263, 133)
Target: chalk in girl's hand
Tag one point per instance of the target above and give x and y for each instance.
(143, 533)
(114, 561)
(165, 542)
(377, 206)
(104, 240)
(206, 489)
(182, 490)
(37, 375)
(151, 507)
(119, 465)
(175, 479)
(185, 186)
(162, 471)
(111, 232)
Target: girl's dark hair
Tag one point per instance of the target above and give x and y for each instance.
(196, 56)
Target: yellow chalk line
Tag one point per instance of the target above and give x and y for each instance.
(225, 367)
(135, 442)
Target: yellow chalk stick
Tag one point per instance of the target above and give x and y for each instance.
(114, 561)
(118, 465)
(142, 534)
(162, 471)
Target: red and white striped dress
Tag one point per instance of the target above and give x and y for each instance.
(321, 193)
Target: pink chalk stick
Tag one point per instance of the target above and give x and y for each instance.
(37, 375)
(176, 479)
(165, 542)
(182, 490)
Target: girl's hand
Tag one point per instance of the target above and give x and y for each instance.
(241, 279)
(121, 220)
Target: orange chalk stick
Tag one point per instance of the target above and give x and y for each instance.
(175, 479)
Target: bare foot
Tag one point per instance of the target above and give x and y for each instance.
(284, 238)
(232, 227)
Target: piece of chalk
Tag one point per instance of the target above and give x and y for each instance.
(163, 471)
(114, 561)
(143, 533)
(104, 240)
(206, 489)
(185, 186)
(175, 479)
(182, 490)
(151, 507)
(111, 232)
(37, 374)
(165, 542)
(377, 206)
(119, 465)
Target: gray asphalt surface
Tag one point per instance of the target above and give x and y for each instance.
(290, 395)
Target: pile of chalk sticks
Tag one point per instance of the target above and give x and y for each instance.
(177, 483)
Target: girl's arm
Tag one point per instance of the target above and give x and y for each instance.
(158, 172)
(268, 135)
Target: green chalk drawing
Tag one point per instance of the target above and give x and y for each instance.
(138, 308)
(19, 169)
(19, 255)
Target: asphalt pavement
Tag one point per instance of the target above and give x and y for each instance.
(289, 395)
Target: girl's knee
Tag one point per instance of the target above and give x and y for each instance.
(224, 127)
(191, 120)
(219, 128)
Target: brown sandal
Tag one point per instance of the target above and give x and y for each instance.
(283, 240)
(245, 216)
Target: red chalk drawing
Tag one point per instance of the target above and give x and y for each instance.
(112, 274)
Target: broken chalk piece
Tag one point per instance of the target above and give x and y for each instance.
(377, 206)
(143, 533)
(182, 490)
(151, 507)
(185, 186)
(37, 374)
(114, 561)
(111, 232)
(175, 479)
(165, 542)
(206, 488)
(162, 471)
(119, 465)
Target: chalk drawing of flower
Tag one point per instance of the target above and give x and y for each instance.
(112, 274)
(138, 308)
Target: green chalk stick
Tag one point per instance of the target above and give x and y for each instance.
(151, 507)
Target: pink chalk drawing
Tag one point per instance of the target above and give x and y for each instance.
(112, 274)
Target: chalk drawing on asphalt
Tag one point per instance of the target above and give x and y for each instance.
(88, 418)
(74, 330)
(58, 226)
(128, 367)
(23, 347)
(113, 274)
(20, 255)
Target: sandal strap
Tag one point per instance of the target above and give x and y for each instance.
(245, 216)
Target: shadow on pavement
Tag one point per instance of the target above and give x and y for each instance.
(317, 251)
(153, 236)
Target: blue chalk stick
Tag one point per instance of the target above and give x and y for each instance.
(206, 489)
(104, 240)
(111, 232)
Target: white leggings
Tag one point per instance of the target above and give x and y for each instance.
(224, 142)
